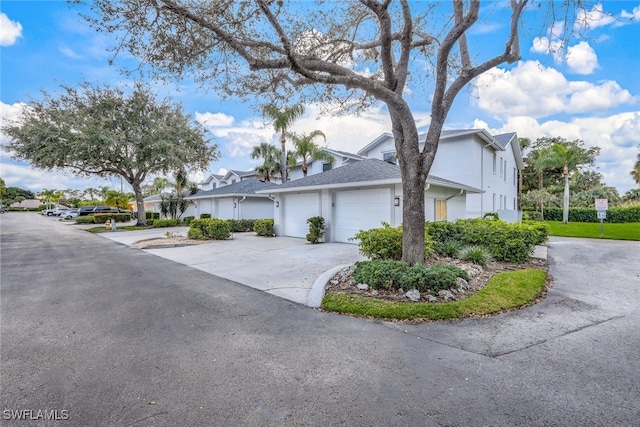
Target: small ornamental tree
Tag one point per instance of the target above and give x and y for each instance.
(95, 131)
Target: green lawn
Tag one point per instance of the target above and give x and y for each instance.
(504, 291)
(123, 228)
(624, 231)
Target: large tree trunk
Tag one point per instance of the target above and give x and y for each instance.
(565, 201)
(142, 215)
(414, 178)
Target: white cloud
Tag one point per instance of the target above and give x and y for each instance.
(9, 30)
(531, 89)
(633, 15)
(617, 136)
(594, 18)
(69, 53)
(581, 58)
(214, 119)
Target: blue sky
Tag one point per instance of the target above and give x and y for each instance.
(589, 91)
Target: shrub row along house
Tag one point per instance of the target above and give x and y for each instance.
(473, 173)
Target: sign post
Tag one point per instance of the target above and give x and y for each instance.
(602, 205)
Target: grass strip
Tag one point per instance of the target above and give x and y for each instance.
(622, 231)
(124, 228)
(504, 291)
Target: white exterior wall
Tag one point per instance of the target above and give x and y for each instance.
(378, 151)
(256, 208)
(204, 206)
(225, 208)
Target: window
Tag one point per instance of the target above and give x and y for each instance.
(233, 181)
(514, 204)
(494, 163)
(515, 177)
(493, 208)
(441, 210)
(389, 157)
(505, 171)
(501, 167)
(326, 167)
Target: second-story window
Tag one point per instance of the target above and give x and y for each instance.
(326, 167)
(389, 157)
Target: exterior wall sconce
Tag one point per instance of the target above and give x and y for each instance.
(277, 204)
(234, 204)
(396, 201)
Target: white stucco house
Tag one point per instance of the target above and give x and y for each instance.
(236, 201)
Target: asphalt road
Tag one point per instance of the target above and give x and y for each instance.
(108, 335)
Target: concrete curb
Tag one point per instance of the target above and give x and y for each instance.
(319, 286)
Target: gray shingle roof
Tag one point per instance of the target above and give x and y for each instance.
(246, 187)
(366, 171)
(504, 138)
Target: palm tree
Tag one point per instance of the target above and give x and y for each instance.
(175, 204)
(91, 192)
(635, 173)
(524, 144)
(118, 199)
(282, 121)
(49, 196)
(569, 157)
(270, 156)
(305, 149)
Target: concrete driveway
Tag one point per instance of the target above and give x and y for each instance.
(287, 267)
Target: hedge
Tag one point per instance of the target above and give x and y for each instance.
(211, 228)
(618, 214)
(101, 218)
(386, 243)
(506, 242)
(264, 227)
(241, 225)
(160, 223)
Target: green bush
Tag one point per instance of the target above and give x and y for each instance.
(101, 218)
(316, 229)
(195, 234)
(241, 225)
(161, 223)
(618, 214)
(395, 275)
(264, 227)
(506, 242)
(187, 219)
(386, 243)
(532, 216)
(86, 219)
(210, 228)
(476, 254)
(491, 215)
(449, 249)
(150, 221)
(205, 216)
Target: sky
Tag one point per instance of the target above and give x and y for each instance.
(589, 90)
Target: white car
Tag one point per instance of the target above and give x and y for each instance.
(59, 211)
(70, 214)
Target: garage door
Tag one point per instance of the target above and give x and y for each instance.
(225, 208)
(296, 209)
(360, 210)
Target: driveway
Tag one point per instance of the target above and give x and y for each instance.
(283, 266)
(116, 336)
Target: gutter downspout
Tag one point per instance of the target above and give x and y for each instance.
(240, 201)
(455, 195)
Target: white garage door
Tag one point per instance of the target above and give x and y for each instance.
(225, 208)
(360, 210)
(296, 209)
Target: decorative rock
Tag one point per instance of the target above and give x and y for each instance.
(462, 284)
(413, 295)
(446, 295)
(431, 298)
(362, 286)
(335, 282)
(374, 292)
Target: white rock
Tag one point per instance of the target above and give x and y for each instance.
(362, 286)
(413, 295)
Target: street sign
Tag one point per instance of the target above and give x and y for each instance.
(602, 214)
(602, 204)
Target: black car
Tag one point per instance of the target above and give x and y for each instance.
(92, 210)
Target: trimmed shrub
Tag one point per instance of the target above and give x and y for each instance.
(195, 234)
(532, 216)
(101, 218)
(395, 275)
(264, 227)
(241, 225)
(169, 222)
(619, 214)
(386, 242)
(210, 228)
(87, 219)
(187, 219)
(491, 215)
(205, 215)
(476, 254)
(316, 229)
(150, 222)
(449, 249)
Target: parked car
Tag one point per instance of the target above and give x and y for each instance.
(91, 210)
(59, 211)
(48, 212)
(71, 213)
